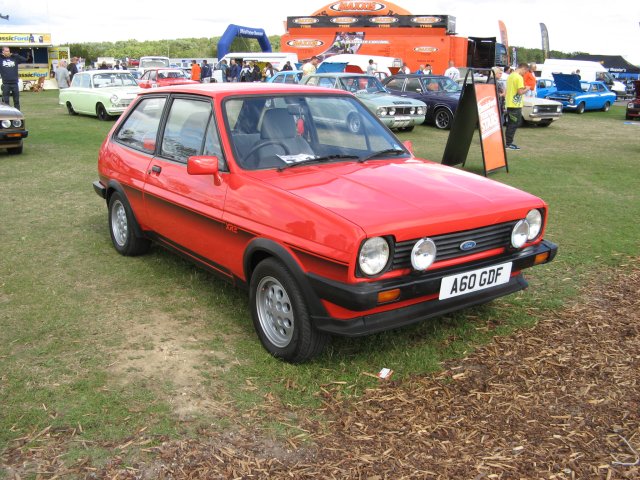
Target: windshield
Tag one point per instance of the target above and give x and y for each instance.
(361, 84)
(281, 131)
(171, 74)
(103, 80)
(154, 62)
(440, 84)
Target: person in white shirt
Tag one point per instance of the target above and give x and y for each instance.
(452, 72)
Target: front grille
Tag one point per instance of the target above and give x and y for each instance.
(486, 238)
(547, 109)
(404, 110)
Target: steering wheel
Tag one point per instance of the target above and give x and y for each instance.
(266, 143)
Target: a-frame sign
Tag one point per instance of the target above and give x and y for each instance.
(478, 107)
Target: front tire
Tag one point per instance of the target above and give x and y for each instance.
(545, 123)
(406, 129)
(15, 150)
(580, 108)
(101, 113)
(280, 314)
(122, 228)
(443, 119)
(70, 109)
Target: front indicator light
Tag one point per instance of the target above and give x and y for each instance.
(388, 296)
(541, 258)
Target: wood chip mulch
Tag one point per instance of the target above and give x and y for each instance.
(557, 401)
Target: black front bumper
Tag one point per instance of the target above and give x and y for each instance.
(13, 136)
(363, 297)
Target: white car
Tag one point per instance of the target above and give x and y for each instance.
(540, 111)
(101, 93)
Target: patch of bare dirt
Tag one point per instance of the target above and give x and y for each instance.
(162, 352)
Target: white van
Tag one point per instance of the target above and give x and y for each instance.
(153, 62)
(589, 71)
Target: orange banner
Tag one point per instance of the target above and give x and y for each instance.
(489, 121)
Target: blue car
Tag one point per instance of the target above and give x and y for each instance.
(581, 96)
(286, 76)
(440, 93)
(545, 87)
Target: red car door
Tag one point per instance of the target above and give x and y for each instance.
(185, 211)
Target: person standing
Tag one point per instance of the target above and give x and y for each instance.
(513, 100)
(427, 70)
(372, 68)
(530, 80)
(9, 75)
(195, 71)
(73, 67)
(287, 67)
(452, 72)
(310, 67)
(234, 71)
(206, 72)
(63, 77)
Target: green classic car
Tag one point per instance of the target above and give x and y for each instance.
(102, 93)
(395, 112)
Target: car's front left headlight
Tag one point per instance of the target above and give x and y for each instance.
(16, 123)
(114, 99)
(534, 219)
(559, 108)
(6, 123)
(373, 256)
(534, 110)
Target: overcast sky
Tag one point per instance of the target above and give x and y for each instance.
(590, 26)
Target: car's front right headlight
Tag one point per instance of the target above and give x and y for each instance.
(373, 256)
(630, 105)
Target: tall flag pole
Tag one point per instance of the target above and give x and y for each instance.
(545, 40)
(504, 38)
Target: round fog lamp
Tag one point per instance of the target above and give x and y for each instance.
(423, 254)
(519, 234)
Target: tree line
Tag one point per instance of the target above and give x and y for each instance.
(208, 48)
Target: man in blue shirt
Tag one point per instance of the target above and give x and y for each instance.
(9, 75)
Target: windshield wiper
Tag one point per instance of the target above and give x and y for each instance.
(388, 151)
(321, 159)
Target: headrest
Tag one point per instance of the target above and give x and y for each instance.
(277, 123)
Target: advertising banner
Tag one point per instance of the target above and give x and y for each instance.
(545, 40)
(25, 39)
(504, 38)
(478, 108)
(381, 21)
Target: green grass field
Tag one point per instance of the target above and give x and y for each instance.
(109, 345)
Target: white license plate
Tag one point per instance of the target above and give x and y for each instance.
(475, 280)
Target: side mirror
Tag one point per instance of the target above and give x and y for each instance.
(419, 90)
(204, 165)
(409, 146)
(144, 85)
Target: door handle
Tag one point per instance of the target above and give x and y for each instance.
(156, 169)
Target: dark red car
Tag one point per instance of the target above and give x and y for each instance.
(164, 77)
(331, 231)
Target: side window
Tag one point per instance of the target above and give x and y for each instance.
(326, 82)
(85, 81)
(212, 145)
(185, 129)
(140, 129)
(279, 79)
(312, 81)
(413, 85)
(395, 84)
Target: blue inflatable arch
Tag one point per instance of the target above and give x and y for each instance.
(234, 31)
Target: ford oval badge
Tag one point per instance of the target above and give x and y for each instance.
(468, 245)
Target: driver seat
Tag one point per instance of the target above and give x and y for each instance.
(279, 127)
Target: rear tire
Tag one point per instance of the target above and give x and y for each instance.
(280, 314)
(70, 109)
(122, 228)
(443, 119)
(606, 107)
